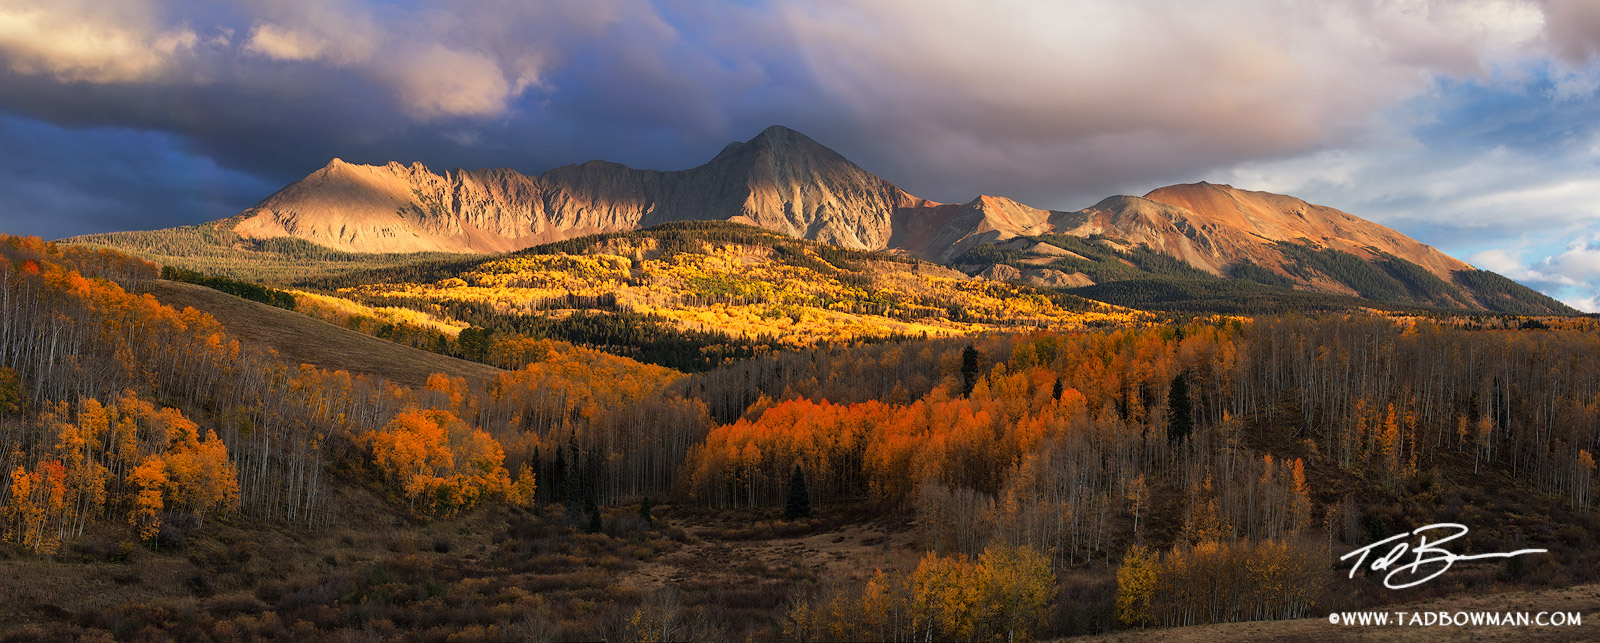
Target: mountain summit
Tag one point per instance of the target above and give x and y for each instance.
(784, 181)
(780, 180)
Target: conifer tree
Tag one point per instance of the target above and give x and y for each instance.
(594, 518)
(799, 499)
(1180, 421)
(969, 369)
(558, 476)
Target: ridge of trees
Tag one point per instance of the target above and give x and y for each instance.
(241, 289)
(214, 248)
(1500, 294)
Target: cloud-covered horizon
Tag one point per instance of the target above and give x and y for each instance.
(1469, 124)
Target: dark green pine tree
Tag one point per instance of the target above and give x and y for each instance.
(539, 473)
(573, 479)
(1180, 417)
(799, 505)
(557, 489)
(594, 518)
(969, 370)
(644, 510)
(591, 508)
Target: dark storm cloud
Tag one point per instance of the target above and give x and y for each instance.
(58, 182)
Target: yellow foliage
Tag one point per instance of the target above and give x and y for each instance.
(1136, 584)
(201, 476)
(790, 295)
(522, 491)
(150, 478)
(437, 462)
(998, 597)
(339, 310)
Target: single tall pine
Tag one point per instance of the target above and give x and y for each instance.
(969, 370)
(593, 510)
(1180, 420)
(799, 499)
(571, 490)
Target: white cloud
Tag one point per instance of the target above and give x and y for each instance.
(1506, 262)
(337, 32)
(1571, 275)
(440, 81)
(280, 43)
(1580, 263)
(1499, 188)
(439, 61)
(77, 42)
(1589, 304)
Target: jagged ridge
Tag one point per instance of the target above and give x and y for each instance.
(782, 180)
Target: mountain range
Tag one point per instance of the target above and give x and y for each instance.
(784, 181)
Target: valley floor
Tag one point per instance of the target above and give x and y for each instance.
(489, 574)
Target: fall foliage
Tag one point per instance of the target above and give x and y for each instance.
(437, 462)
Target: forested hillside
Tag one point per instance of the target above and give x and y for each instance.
(694, 295)
(1307, 279)
(1000, 485)
(297, 337)
(215, 249)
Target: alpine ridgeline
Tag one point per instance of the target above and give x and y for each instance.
(784, 181)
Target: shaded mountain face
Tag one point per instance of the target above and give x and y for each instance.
(783, 181)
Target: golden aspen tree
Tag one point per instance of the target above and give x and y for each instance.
(1386, 450)
(1203, 523)
(1301, 494)
(524, 489)
(21, 513)
(1014, 586)
(1136, 586)
(882, 608)
(150, 480)
(942, 597)
(438, 462)
(202, 478)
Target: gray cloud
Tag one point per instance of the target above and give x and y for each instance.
(1574, 27)
(62, 181)
(1025, 95)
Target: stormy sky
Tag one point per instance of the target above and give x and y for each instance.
(1472, 125)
